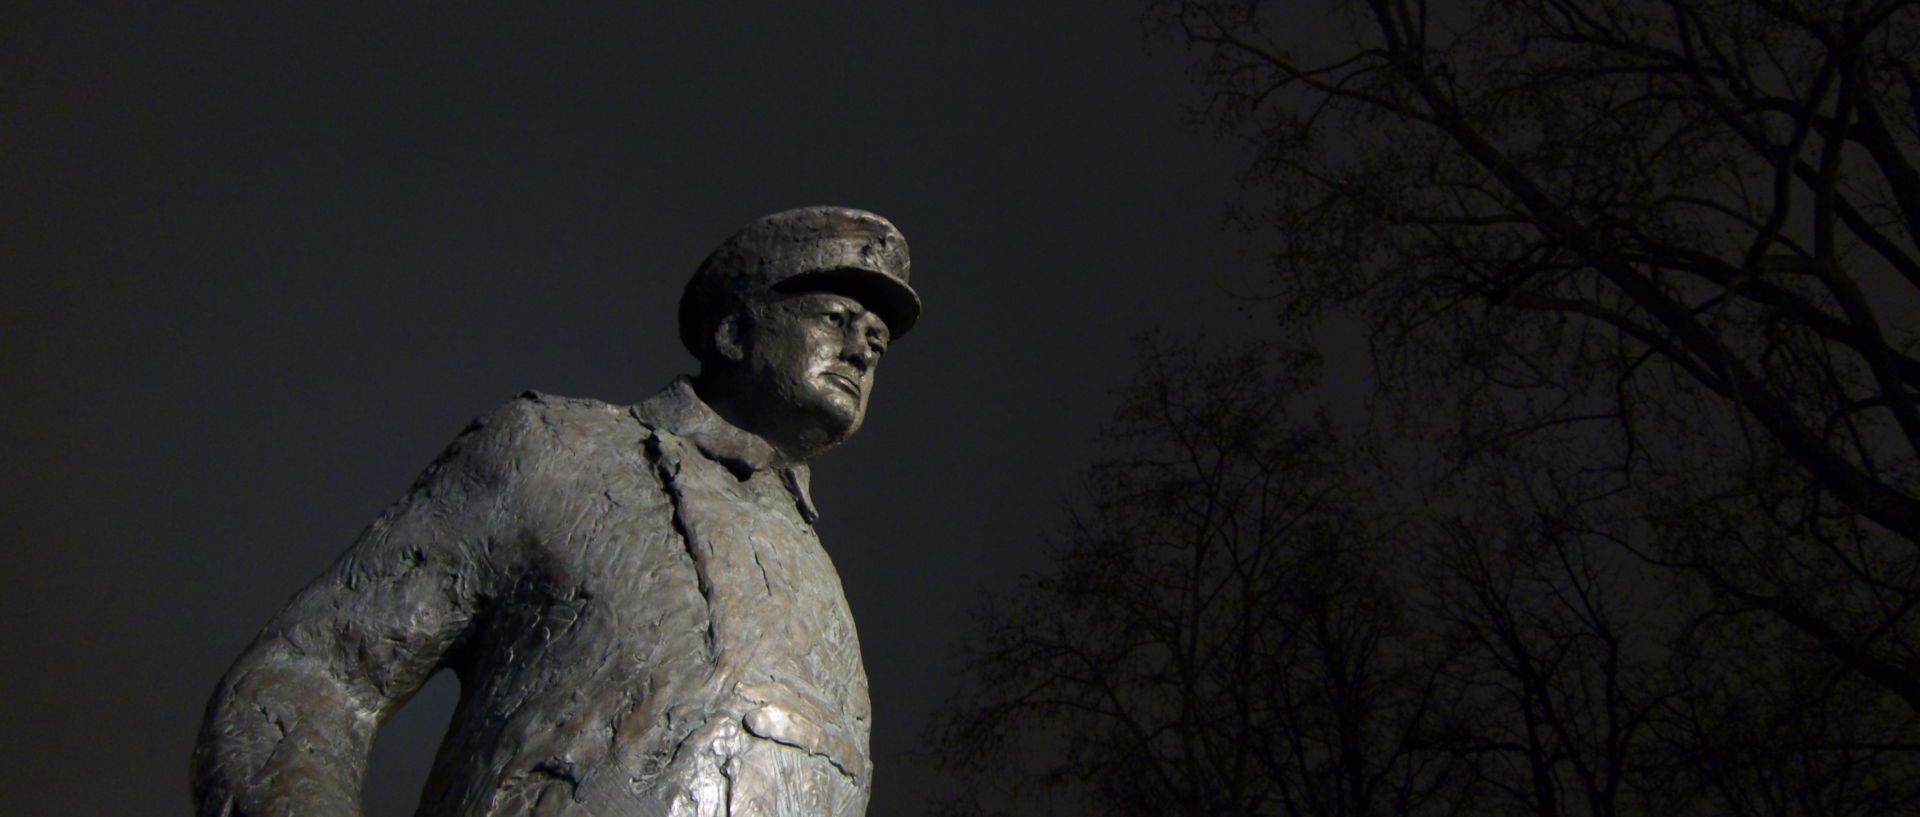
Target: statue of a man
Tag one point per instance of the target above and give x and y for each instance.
(641, 617)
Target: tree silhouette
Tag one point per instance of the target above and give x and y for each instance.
(1639, 530)
(1216, 634)
(1668, 245)
(1254, 612)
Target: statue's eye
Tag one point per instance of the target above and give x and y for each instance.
(835, 317)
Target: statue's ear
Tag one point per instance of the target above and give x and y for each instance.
(729, 338)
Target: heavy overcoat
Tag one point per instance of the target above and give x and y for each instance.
(642, 619)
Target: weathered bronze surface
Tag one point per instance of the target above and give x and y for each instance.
(641, 617)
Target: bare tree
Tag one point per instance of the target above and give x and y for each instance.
(1550, 707)
(1641, 279)
(1252, 613)
(1679, 232)
(1218, 633)
(1761, 723)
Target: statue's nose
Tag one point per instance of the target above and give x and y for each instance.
(861, 352)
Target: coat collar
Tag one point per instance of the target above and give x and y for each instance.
(678, 410)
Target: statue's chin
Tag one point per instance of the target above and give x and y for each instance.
(827, 430)
(802, 422)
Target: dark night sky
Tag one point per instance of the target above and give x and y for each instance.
(262, 264)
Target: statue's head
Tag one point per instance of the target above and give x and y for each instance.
(789, 318)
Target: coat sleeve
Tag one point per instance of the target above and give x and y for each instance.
(290, 726)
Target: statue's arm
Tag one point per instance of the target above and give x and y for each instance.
(290, 727)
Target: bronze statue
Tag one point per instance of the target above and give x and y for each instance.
(641, 617)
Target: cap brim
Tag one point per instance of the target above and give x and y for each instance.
(895, 302)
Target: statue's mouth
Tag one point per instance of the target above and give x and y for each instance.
(845, 383)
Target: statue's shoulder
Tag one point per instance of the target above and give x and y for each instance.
(535, 422)
(555, 409)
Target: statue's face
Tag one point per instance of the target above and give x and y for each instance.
(811, 357)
